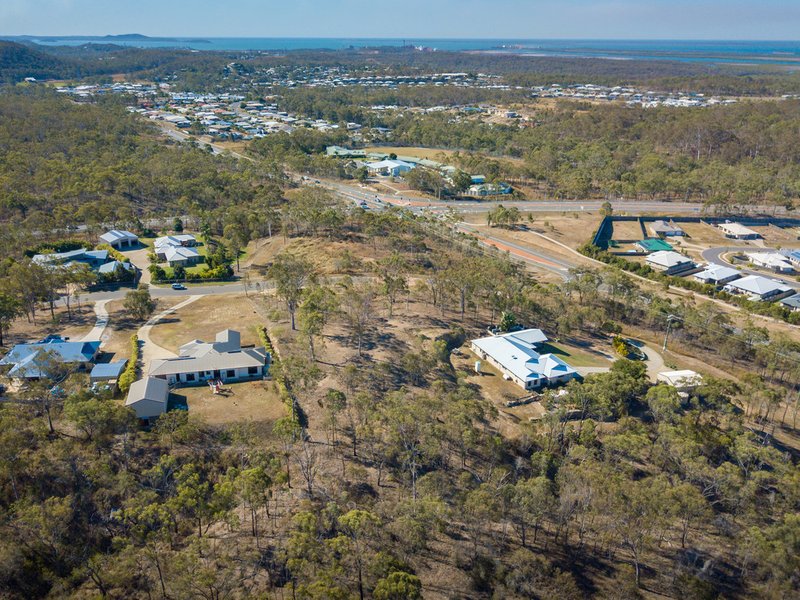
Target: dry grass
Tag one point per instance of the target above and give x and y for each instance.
(324, 254)
(116, 337)
(255, 401)
(572, 229)
(83, 319)
(204, 318)
(627, 230)
(708, 235)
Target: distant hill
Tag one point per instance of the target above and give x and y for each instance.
(18, 61)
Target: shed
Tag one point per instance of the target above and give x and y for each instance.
(107, 371)
(148, 398)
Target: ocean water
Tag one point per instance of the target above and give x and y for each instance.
(759, 52)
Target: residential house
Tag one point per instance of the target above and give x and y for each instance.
(669, 262)
(181, 257)
(651, 245)
(774, 261)
(794, 257)
(792, 302)
(517, 356)
(685, 381)
(221, 360)
(148, 398)
(758, 288)
(93, 258)
(47, 357)
(340, 152)
(489, 189)
(389, 167)
(117, 270)
(717, 274)
(119, 239)
(738, 231)
(662, 228)
(185, 240)
(177, 250)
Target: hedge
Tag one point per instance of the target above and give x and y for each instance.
(284, 392)
(129, 374)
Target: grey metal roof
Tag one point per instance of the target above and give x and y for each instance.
(149, 388)
(210, 361)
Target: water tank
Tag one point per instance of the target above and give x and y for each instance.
(478, 366)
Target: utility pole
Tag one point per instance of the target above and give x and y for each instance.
(670, 320)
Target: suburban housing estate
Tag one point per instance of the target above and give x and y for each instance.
(517, 356)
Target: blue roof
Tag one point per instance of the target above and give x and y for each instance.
(28, 359)
(111, 370)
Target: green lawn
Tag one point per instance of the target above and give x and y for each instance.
(576, 357)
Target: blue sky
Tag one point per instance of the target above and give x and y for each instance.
(632, 19)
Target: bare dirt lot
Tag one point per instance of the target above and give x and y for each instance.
(204, 318)
(627, 230)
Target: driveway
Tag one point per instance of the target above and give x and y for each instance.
(139, 259)
(100, 324)
(655, 362)
(150, 350)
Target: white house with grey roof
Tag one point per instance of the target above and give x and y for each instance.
(669, 262)
(756, 287)
(738, 231)
(774, 261)
(661, 228)
(221, 360)
(517, 356)
(119, 239)
(717, 274)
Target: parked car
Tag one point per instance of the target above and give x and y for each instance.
(178, 286)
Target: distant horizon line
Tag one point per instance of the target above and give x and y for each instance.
(397, 38)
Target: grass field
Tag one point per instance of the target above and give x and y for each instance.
(587, 356)
(204, 318)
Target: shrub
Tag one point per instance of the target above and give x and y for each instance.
(129, 374)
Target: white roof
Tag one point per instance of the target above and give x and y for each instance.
(667, 259)
(737, 229)
(117, 235)
(715, 272)
(760, 286)
(390, 164)
(517, 354)
(173, 240)
(773, 260)
(172, 253)
(681, 379)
